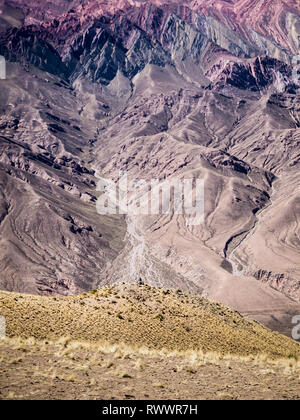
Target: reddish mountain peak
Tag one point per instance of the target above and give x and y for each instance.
(276, 20)
(271, 18)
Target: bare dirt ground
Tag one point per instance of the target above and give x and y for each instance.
(78, 371)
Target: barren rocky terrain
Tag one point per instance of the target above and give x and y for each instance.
(192, 89)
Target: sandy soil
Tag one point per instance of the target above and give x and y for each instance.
(107, 373)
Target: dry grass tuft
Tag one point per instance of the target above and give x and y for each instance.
(160, 320)
(99, 369)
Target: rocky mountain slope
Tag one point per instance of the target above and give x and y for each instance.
(161, 90)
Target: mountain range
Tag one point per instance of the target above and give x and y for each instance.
(161, 90)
